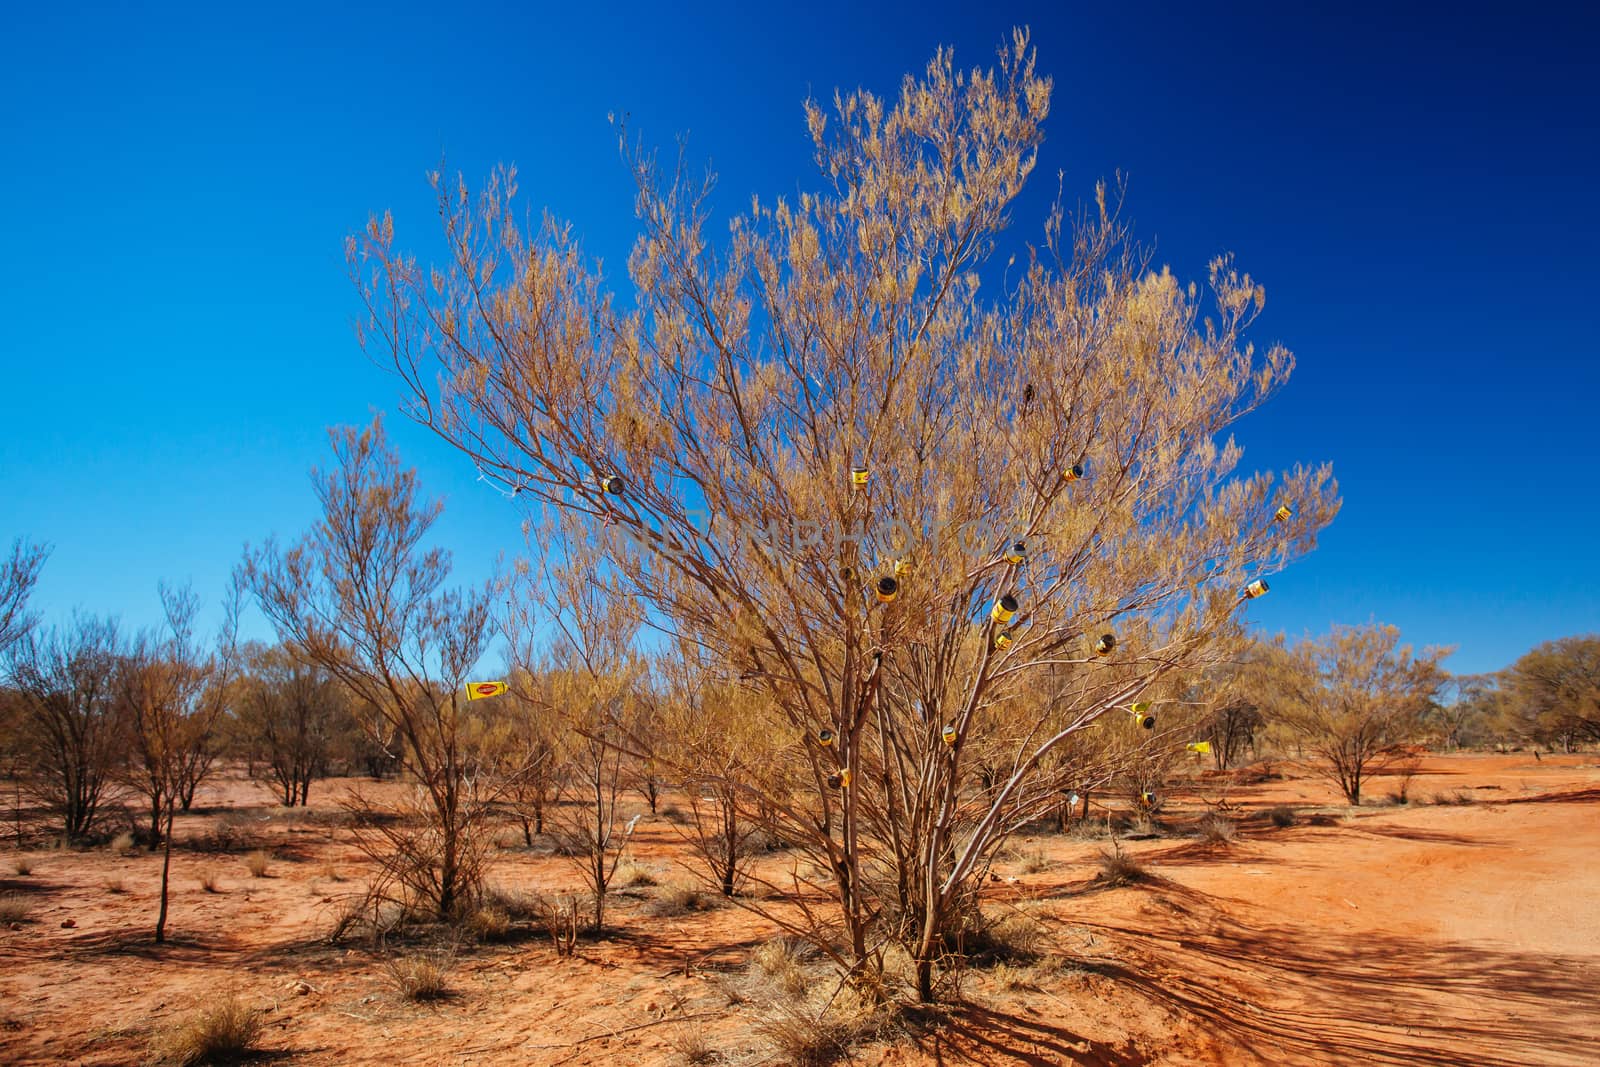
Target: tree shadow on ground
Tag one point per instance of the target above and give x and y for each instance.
(973, 1034)
(1371, 999)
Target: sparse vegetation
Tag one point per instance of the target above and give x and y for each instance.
(219, 1034)
(1282, 816)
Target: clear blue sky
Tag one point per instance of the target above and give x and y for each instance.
(1417, 192)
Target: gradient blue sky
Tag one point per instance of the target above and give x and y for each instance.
(1417, 191)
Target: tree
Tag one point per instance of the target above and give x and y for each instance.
(591, 679)
(360, 598)
(289, 711)
(1466, 710)
(70, 732)
(812, 449)
(173, 694)
(1552, 693)
(1356, 698)
(18, 575)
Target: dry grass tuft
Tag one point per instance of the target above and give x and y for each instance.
(23, 866)
(209, 881)
(14, 908)
(1121, 868)
(629, 874)
(488, 923)
(425, 976)
(1282, 816)
(219, 1034)
(779, 963)
(123, 843)
(809, 1036)
(1034, 861)
(114, 885)
(688, 1040)
(1217, 829)
(677, 898)
(256, 863)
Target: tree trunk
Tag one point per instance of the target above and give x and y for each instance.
(166, 869)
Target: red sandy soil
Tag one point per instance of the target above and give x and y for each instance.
(1426, 934)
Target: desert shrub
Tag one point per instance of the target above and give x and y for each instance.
(256, 863)
(1282, 816)
(423, 976)
(23, 867)
(14, 908)
(1216, 829)
(218, 1034)
(1118, 867)
(559, 917)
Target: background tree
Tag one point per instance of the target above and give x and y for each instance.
(710, 438)
(19, 573)
(69, 731)
(1552, 693)
(1356, 699)
(288, 712)
(360, 598)
(172, 694)
(592, 675)
(1466, 711)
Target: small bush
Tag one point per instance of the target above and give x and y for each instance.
(1121, 868)
(425, 976)
(23, 867)
(256, 863)
(1216, 829)
(217, 1034)
(14, 908)
(559, 917)
(1282, 816)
